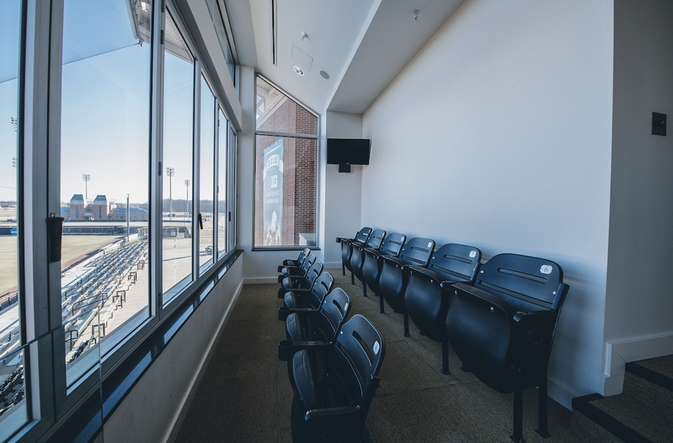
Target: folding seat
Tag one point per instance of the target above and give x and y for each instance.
(502, 328)
(310, 298)
(301, 271)
(308, 328)
(293, 283)
(331, 404)
(358, 250)
(371, 268)
(294, 263)
(426, 299)
(392, 281)
(347, 248)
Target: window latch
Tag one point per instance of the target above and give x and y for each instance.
(55, 236)
(200, 221)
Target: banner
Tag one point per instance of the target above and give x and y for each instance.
(273, 193)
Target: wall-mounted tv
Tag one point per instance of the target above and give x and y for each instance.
(348, 151)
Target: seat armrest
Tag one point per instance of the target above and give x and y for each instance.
(533, 335)
(427, 273)
(284, 312)
(287, 348)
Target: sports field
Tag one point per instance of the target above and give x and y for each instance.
(74, 246)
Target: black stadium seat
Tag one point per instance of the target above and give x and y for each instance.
(300, 271)
(392, 281)
(310, 298)
(357, 255)
(371, 268)
(293, 283)
(346, 247)
(331, 405)
(425, 301)
(294, 263)
(502, 328)
(313, 328)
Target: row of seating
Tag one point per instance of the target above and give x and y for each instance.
(499, 316)
(333, 364)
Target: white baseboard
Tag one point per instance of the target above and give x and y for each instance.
(620, 352)
(560, 394)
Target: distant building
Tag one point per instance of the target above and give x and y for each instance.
(119, 214)
(99, 208)
(77, 207)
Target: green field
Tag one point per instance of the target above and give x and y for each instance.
(74, 246)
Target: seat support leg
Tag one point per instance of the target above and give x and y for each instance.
(381, 302)
(364, 289)
(406, 324)
(542, 407)
(445, 352)
(517, 437)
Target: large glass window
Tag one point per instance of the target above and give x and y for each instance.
(286, 170)
(177, 159)
(222, 129)
(105, 139)
(12, 385)
(207, 185)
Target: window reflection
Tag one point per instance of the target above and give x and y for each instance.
(222, 130)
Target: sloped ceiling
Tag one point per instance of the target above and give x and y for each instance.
(360, 44)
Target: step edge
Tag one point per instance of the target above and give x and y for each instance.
(605, 420)
(650, 375)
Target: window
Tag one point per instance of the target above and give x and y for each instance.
(178, 154)
(13, 411)
(105, 131)
(207, 185)
(285, 170)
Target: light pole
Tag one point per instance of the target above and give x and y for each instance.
(170, 172)
(86, 178)
(187, 184)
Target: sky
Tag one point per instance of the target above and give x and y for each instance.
(105, 105)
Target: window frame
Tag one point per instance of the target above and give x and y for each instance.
(315, 137)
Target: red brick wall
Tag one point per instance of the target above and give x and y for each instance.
(299, 172)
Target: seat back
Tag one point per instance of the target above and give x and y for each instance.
(417, 251)
(313, 272)
(523, 279)
(357, 358)
(375, 239)
(321, 287)
(333, 312)
(456, 262)
(309, 260)
(392, 244)
(362, 235)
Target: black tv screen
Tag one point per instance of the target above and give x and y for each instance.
(348, 151)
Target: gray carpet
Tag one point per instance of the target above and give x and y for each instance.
(245, 395)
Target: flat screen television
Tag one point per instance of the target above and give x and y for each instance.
(348, 151)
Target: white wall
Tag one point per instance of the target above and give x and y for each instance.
(639, 306)
(498, 134)
(342, 190)
(158, 402)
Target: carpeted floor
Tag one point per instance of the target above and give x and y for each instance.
(245, 395)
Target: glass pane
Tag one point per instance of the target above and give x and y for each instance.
(285, 191)
(231, 195)
(207, 185)
(105, 121)
(276, 112)
(12, 386)
(222, 129)
(177, 158)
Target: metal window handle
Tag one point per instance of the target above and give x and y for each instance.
(200, 221)
(55, 236)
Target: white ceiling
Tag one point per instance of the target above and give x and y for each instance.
(361, 44)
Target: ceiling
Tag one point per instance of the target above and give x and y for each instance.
(360, 44)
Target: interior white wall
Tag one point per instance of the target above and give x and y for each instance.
(498, 135)
(154, 408)
(342, 190)
(639, 306)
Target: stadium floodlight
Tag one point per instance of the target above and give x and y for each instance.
(86, 178)
(170, 172)
(187, 184)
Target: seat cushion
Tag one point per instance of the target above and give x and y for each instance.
(304, 380)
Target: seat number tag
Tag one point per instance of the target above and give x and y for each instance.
(473, 254)
(377, 348)
(545, 269)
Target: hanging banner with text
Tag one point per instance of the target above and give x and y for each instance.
(273, 193)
